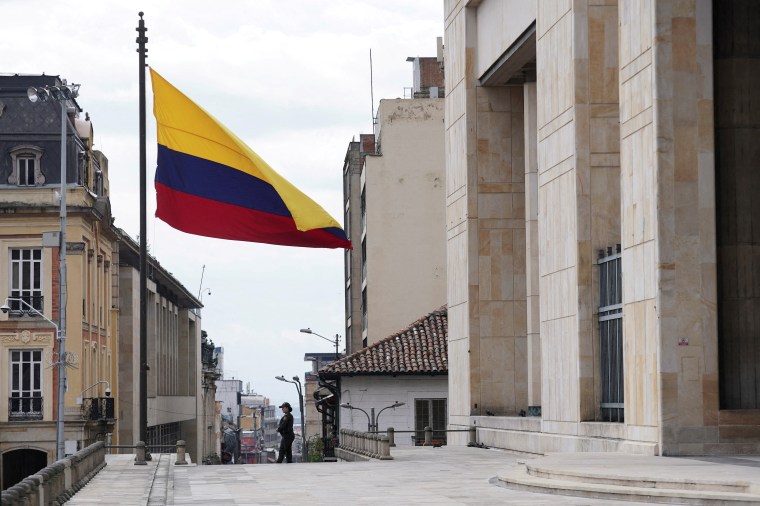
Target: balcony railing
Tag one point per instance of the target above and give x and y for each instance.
(98, 408)
(25, 408)
(19, 308)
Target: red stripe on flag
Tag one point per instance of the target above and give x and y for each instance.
(210, 218)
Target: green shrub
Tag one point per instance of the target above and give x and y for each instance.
(316, 447)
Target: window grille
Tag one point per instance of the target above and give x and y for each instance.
(430, 413)
(25, 402)
(611, 334)
(164, 435)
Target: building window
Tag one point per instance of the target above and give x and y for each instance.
(27, 170)
(25, 166)
(25, 402)
(430, 413)
(364, 261)
(26, 279)
(364, 309)
(611, 335)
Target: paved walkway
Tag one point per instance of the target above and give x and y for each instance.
(417, 475)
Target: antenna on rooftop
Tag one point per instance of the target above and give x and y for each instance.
(371, 90)
(200, 288)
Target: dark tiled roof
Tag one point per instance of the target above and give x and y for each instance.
(421, 348)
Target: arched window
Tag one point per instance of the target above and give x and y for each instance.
(27, 169)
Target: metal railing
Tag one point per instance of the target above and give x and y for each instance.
(142, 453)
(16, 303)
(359, 445)
(611, 334)
(98, 408)
(25, 408)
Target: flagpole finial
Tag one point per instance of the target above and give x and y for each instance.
(141, 14)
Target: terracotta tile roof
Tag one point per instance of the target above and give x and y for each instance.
(421, 348)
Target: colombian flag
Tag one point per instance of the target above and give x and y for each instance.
(209, 183)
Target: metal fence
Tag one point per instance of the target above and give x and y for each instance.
(611, 334)
(25, 408)
(98, 408)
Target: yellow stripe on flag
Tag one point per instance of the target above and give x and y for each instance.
(185, 127)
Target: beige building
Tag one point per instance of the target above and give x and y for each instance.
(176, 402)
(30, 170)
(394, 194)
(572, 128)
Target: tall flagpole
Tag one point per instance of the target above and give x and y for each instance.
(141, 41)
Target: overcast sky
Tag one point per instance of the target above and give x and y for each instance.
(289, 77)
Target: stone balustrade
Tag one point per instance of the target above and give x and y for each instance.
(58, 482)
(356, 445)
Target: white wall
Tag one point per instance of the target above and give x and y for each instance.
(226, 393)
(367, 392)
(499, 24)
(406, 216)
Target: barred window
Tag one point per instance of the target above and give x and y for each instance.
(430, 413)
(26, 384)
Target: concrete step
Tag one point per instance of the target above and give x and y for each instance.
(660, 482)
(605, 487)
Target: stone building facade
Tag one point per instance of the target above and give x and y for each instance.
(176, 405)
(30, 222)
(585, 132)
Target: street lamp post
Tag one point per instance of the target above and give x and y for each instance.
(61, 94)
(334, 341)
(370, 422)
(377, 419)
(297, 382)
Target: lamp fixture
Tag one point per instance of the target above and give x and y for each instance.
(58, 93)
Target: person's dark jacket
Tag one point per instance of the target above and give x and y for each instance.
(286, 425)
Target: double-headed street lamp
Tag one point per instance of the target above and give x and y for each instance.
(297, 382)
(372, 421)
(62, 358)
(334, 341)
(394, 406)
(62, 94)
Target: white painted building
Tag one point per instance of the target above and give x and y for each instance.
(424, 397)
(228, 392)
(408, 367)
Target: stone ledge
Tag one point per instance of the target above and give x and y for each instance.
(350, 456)
(542, 442)
(519, 479)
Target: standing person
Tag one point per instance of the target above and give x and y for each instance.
(285, 428)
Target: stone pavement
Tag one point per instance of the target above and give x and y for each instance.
(418, 475)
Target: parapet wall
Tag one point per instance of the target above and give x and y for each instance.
(58, 482)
